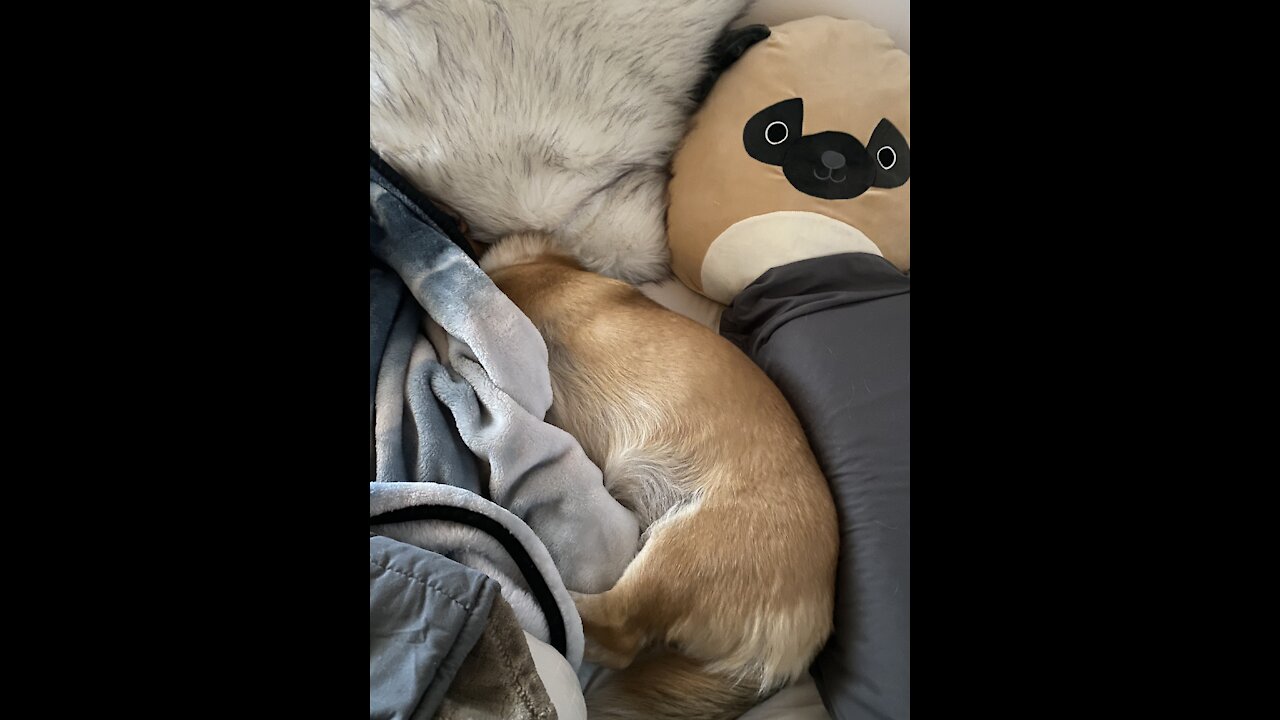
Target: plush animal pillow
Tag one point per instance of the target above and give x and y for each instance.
(790, 204)
(801, 150)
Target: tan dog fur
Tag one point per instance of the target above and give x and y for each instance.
(733, 585)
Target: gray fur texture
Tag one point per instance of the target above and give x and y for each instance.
(552, 115)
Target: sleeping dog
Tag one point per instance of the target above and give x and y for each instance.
(730, 596)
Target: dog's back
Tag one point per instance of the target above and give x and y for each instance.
(738, 569)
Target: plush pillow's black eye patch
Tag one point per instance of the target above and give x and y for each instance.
(830, 165)
(769, 132)
(893, 156)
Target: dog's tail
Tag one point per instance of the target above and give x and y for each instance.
(667, 686)
(522, 248)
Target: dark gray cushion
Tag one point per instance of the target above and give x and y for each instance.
(834, 333)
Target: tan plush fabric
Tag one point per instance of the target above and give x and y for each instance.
(849, 76)
(499, 678)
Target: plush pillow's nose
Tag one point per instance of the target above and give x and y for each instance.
(832, 159)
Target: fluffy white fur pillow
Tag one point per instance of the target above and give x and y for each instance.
(552, 115)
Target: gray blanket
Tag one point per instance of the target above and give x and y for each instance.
(443, 643)
(426, 613)
(499, 678)
(461, 460)
(462, 373)
(465, 527)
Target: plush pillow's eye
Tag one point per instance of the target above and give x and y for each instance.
(887, 157)
(776, 133)
(769, 133)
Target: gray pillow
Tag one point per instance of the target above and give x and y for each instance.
(834, 333)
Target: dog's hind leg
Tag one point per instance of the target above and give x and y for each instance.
(613, 637)
(651, 596)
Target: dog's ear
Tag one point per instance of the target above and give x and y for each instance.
(733, 43)
(725, 52)
(890, 156)
(770, 132)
